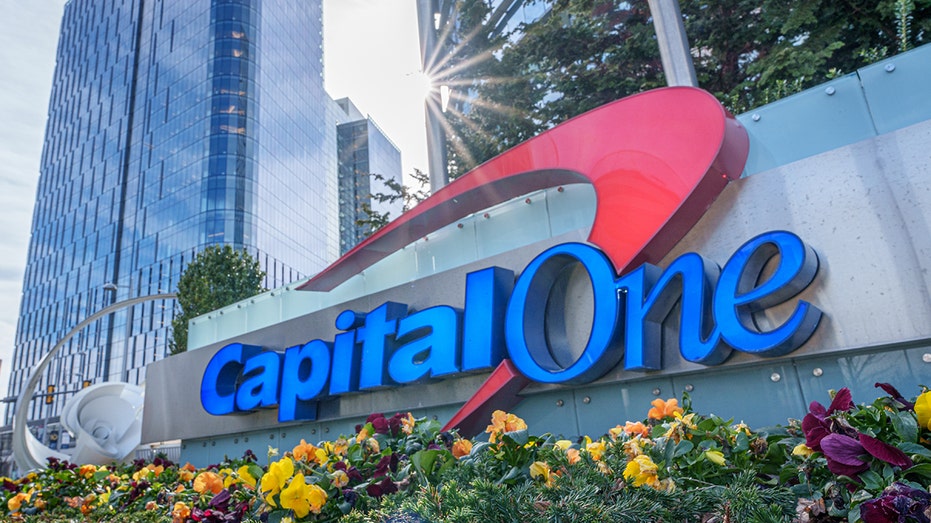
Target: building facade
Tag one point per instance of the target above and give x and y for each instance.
(364, 151)
(173, 125)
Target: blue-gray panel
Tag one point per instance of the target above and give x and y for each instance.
(897, 88)
(612, 405)
(737, 394)
(859, 373)
(806, 124)
(545, 413)
(919, 361)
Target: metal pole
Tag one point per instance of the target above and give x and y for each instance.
(436, 138)
(674, 48)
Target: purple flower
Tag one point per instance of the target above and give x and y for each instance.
(898, 504)
(843, 454)
(896, 395)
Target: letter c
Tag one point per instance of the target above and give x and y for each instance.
(218, 387)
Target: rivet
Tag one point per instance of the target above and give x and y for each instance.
(817, 371)
(460, 225)
(560, 189)
(657, 391)
(271, 436)
(313, 431)
(689, 387)
(889, 67)
(587, 399)
(435, 417)
(213, 443)
(235, 440)
(486, 215)
(829, 90)
(246, 439)
(755, 117)
(527, 200)
(774, 377)
(560, 403)
(326, 430)
(284, 434)
(204, 444)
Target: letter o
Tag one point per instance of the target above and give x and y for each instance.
(525, 328)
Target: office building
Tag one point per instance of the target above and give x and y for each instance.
(364, 151)
(173, 125)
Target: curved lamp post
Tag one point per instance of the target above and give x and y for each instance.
(28, 451)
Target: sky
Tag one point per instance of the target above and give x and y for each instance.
(371, 55)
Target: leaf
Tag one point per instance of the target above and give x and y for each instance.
(519, 437)
(915, 448)
(923, 469)
(871, 480)
(423, 461)
(683, 448)
(905, 425)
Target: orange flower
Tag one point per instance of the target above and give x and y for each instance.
(637, 428)
(208, 481)
(363, 435)
(596, 449)
(87, 471)
(407, 424)
(16, 501)
(573, 455)
(151, 505)
(664, 409)
(180, 512)
(502, 422)
(462, 448)
(305, 452)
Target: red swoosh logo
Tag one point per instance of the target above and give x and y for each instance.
(656, 160)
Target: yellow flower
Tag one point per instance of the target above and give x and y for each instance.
(303, 498)
(715, 456)
(87, 471)
(664, 409)
(275, 479)
(642, 471)
(677, 428)
(340, 479)
(923, 409)
(407, 424)
(186, 473)
(373, 445)
(208, 481)
(462, 448)
(502, 422)
(339, 447)
(143, 473)
(180, 512)
(802, 450)
(540, 469)
(563, 444)
(245, 477)
(596, 449)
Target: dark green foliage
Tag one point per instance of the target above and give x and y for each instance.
(585, 53)
(218, 276)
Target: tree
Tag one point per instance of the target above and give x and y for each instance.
(218, 276)
(584, 53)
(409, 197)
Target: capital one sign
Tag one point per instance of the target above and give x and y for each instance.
(656, 161)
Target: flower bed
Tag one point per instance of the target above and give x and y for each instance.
(843, 462)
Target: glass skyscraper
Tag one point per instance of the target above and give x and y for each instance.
(173, 125)
(364, 151)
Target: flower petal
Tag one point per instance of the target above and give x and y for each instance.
(842, 401)
(815, 430)
(885, 452)
(843, 449)
(896, 395)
